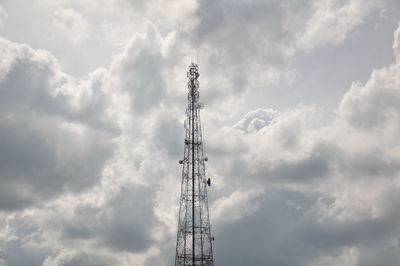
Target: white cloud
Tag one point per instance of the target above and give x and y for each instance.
(340, 179)
(288, 187)
(44, 131)
(3, 16)
(139, 70)
(396, 44)
(333, 21)
(77, 119)
(347, 256)
(235, 206)
(257, 119)
(376, 103)
(72, 24)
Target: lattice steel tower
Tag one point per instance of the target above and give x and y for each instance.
(193, 245)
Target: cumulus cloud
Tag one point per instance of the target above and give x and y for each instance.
(235, 206)
(245, 44)
(113, 225)
(123, 223)
(257, 119)
(332, 21)
(89, 172)
(236, 38)
(333, 188)
(67, 132)
(376, 103)
(139, 70)
(46, 148)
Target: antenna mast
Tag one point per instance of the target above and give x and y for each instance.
(194, 241)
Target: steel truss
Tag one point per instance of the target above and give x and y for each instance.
(194, 240)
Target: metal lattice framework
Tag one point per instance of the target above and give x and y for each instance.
(194, 241)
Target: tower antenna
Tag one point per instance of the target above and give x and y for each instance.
(194, 240)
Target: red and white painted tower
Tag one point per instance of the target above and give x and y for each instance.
(194, 240)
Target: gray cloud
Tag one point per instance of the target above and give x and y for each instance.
(16, 243)
(287, 229)
(244, 45)
(288, 188)
(41, 131)
(89, 260)
(140, 70)
(346, 215)
(123, 223)
(168, 134)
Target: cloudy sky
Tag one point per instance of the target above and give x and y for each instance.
(301, 126)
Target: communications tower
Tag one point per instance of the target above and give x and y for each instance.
(194, 241)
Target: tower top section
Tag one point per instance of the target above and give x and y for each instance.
(193, 72)
(193, 75)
